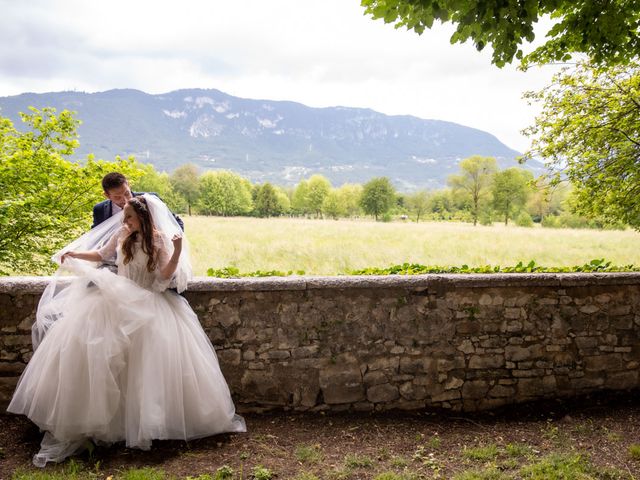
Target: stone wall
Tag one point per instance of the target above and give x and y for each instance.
(460, 342)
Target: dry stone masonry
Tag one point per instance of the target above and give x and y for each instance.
(459, 342)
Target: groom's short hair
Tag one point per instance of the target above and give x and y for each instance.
(113, 180)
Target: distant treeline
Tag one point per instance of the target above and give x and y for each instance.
(478, 193)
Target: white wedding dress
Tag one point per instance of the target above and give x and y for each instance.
(126, 359)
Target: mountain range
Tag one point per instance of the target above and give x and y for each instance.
(264, 140)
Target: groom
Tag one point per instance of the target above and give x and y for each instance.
(116, 189)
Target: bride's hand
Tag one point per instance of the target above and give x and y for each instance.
(177, 242)
(67, 255)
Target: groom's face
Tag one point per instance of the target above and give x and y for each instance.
(119, 195)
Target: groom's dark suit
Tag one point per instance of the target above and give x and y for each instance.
(104, 210)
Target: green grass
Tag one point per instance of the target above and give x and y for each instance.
(354, 460)
(328, 247)
(634, 451)
(308, 453)
(484, 453)
(559, 466)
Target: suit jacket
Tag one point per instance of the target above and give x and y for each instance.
(103, 210)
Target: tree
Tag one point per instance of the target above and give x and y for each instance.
(546, 198)
(418, 203)
(319, 188)
(266, 202)
(378, 196)
(45, 200)
(474, 181)
(440, 204)
(349, 195)
(299, 199)
(510, 190)
(158, 182)
(224, 193)
(333, 206)
(606, 31)
(588, 130)
(184, 181)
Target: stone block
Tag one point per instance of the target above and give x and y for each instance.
(475, 389)
(604, 362)
(230, 356)
(589, 309)
(375, 378)
(622, 380)
(530, 387)
(486, 361)
(517, 353)
(342, 384)
(415, 365)
(453, 383)
(382, 393)
(501, 391)
(466, 346)
(446, 396)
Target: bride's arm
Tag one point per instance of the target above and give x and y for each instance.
(91, 256)
(107, 251)
(167, 270)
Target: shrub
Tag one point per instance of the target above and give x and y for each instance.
(524, 220)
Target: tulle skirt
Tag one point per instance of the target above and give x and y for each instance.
(123, 363)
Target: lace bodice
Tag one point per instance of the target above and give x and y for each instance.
(136, 269)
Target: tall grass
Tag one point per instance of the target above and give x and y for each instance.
(328, 247)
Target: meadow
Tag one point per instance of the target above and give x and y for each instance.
(331, 247)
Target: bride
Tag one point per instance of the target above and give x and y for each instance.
(122, 357)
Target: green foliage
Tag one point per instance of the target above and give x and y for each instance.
(306, 476)
(606, 32)
(309, 453)
(266, 201)
(146, 473)
(489, 473)
(510, 190)
(559, 467)
(474, 181)
(417, 203)
(483, 453)
(349, 195)
(45, 200)
(378, 196)
(332, 206)
(224, 193)
(299, 200)
(159, 182)
(318, 187)
(518, 450)
(184, 181)
(598, 265)
(73, 470)
(261, 473)
(396, 476)
(634, 451)
(588, 129)
(233, 272)
(354, 460)
(224, 472)
(524, 220)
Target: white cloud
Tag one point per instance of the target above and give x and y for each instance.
(318, 53)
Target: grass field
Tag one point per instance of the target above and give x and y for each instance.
(328, 247)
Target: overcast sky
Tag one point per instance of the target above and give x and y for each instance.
(320, 53)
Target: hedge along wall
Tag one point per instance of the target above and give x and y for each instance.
(460, 342)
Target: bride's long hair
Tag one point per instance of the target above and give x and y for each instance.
(147, 232)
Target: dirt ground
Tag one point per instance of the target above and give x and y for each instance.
(361, 446)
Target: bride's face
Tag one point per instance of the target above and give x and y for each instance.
(131, 219)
